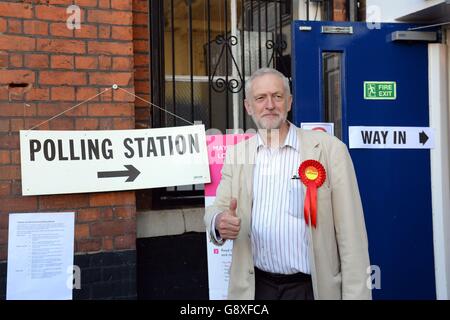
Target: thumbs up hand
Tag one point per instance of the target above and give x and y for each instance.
(227, 222)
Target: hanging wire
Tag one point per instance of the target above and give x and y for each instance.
(115, 87)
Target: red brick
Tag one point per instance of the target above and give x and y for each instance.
(38, 94)
(5, 157)
(16, 188)
(17, 124)
(121, 5)
(18, 204)
(87, 93)
(141, 73)
(141, 60)
(110, 78)
(53, 13)
(104, 62)
(125, 242)
(51, 109)
(4, 125)
(140, 33)
(3, 253)
(4, 60)
(15, 26)
(60, 30)
(62, 77)
(106, 95)
(107, 214)
(15, 156)
(108, 244)
(62, 124)
(60, 46)
(104, 4)
(86, 62)
(8, 142)
(104, 32)
(140, 19)
(4, 218)
(122, 63)
(105, 124)
(110, 17)
(36, 124)
(16, 76)
(124, 212)
(16, 60)
(17, 10)
(142, 86)
(140, 5)
(112, 228)
(17, 43)
(110, 48)
(3, 236)
(62, 62)
(86, 31)
(86, 124)
(5, 188)
(122, 96)
(2, 25)
(141, 46)
(63, 94)
(110, 109)
(35, 27)
(92, 245)
(112, 199)
(36, 61)
(63, 201)
(87, 3)
(81, 231)
(88, 215)
(122, 33)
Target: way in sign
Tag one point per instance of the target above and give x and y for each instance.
(383, 137)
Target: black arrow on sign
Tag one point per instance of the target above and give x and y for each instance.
(131, 173)
(423, 138)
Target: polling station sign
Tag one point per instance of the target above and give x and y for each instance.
(60, 162)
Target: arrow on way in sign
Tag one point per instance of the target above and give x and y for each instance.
(131, 173)
(423, 138)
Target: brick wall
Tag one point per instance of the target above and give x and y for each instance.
(340, 10)
(45, 68)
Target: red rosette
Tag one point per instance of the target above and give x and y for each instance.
(313, 175)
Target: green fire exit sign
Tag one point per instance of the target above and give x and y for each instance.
(380, 90)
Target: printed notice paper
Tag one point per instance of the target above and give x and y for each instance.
(40, 256)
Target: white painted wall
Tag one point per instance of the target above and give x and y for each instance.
(390, 10)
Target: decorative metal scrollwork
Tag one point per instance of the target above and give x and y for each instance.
(218, 82)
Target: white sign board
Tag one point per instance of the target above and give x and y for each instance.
(56, 162)
(319, 126)
(391, 137)
(40, 256)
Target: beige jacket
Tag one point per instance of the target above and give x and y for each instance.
(338, 246)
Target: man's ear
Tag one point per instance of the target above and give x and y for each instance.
(248, 107)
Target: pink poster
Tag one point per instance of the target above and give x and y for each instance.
(219, 258)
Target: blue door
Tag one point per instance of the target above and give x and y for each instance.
(331, 62)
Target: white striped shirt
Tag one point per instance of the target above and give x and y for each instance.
(279, 234)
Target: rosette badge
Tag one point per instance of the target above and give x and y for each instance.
(313, 175)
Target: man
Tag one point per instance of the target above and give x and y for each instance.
(280, 250)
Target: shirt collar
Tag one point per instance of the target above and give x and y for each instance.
(291, 139)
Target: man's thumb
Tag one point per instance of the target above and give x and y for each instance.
(233, 206)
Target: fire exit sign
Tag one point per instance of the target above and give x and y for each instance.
(380, 90)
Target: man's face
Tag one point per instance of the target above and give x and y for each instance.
(268, 103)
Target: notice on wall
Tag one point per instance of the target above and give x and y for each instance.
(57, 162)
(361, 137)
(219, 257)
(327, 127)
(40, 256)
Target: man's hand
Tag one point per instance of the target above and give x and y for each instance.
(227, 223)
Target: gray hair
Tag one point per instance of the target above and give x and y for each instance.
(263, 71)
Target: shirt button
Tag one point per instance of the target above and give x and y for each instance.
(251, 271)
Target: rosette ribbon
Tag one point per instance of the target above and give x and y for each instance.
(313, 175)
